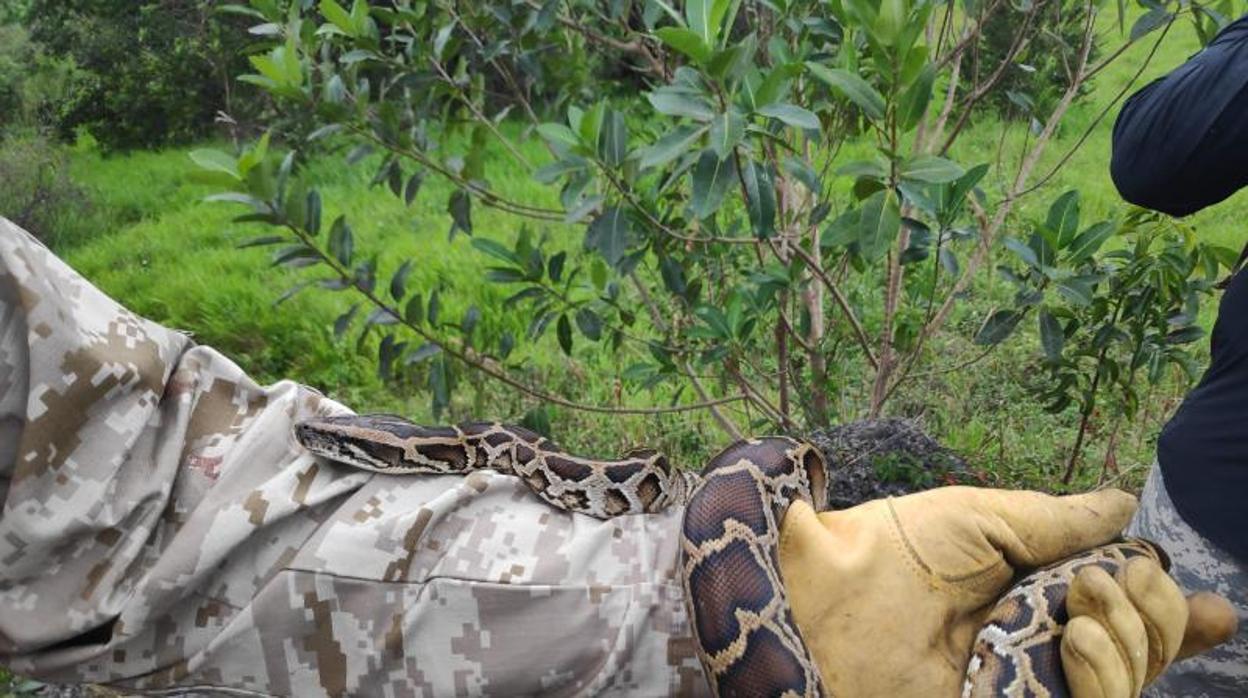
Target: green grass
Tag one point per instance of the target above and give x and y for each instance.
(171, 257)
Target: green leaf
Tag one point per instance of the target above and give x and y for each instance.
(336, 14)
(412, 187)
(801, 170)
(254, 155)
(843, 230)
(460, 208)
(548, 174)
(680, 104)
(1089, 241)
(931, 169)
(711, 179)
(727, 130)
(1045, 254)
(563, 330)
(890, 21)
(730, 63)
(588, 124)
(965, 185)
(312, 213)
(999, 325)
(792, 115)
(359, 16)
(1051, 336)
(238, 198)
(698, 17)
(762, 199)
(216, 161)
(914, 101)
(589, 324)
(852, 87)
(1076, 290)
(1021, 249)
(262, 241)
(1150, 21)
(776, 83)
(609, 234)
(398, 282)
(341, 242)
(685, 41)
(554, 268)
(559, 135)
(863, 168)
(671, 146)
(715, 320)
(1185, 335)
(414, 311)
(496, 250)
(1063, 219)
(879, 223)
(343, 323)
(613, 139)
(673, 275)
(722, 10)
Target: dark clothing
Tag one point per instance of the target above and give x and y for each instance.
(1203, 450)
(1181, 144)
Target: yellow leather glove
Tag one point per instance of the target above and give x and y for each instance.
(890, 594)
(1126, 629)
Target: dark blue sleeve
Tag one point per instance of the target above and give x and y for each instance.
(1181, 142)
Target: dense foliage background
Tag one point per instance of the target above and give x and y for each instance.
(637, 221)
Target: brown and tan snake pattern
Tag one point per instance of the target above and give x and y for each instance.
(748, 643)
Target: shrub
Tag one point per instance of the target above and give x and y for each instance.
(36, 191)
(146, 73)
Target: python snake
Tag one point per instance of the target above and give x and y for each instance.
(747, 639)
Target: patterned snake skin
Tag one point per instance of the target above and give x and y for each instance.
(748, 642)
(640, 482)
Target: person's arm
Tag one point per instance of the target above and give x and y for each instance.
(1181, 142)
(161, 528)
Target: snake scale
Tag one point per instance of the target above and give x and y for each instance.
(748, 642)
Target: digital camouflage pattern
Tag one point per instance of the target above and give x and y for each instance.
(162, 529)
(1197, 565)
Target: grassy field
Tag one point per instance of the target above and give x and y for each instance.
(172, 257)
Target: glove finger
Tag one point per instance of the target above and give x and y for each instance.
(1211, 620)
(1162, 608)
(1033, 529)
(1093, 666)
(1094, 593)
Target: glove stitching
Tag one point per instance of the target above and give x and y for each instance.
(1154, 640)
(1082, 659)
(920, 567)
(1103, 613)
(908, 550)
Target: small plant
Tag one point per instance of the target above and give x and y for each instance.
(1107, 318)
(16, 687)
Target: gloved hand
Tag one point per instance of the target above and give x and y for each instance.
(890, 594)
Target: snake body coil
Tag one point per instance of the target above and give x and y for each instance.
(748, 642)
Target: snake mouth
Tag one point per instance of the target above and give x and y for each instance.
(314, 439)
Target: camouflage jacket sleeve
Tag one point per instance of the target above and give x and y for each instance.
(161, 529)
